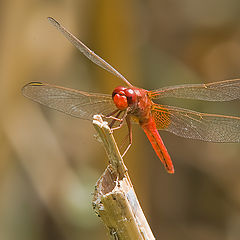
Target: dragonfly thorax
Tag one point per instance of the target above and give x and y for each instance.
(124, 97)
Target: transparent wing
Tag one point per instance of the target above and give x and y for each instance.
(195, 125)
(75, 103)
(86, 51)
(218, 91)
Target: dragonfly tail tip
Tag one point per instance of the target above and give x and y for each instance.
(171, 170)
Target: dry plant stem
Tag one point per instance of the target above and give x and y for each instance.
(114, 198)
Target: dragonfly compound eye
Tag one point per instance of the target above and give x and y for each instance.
(118, 90)
(131, 96)
(119, 98)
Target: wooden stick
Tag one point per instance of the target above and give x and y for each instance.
(114, 198)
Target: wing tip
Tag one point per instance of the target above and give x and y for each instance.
(53, 21)
(31, 84)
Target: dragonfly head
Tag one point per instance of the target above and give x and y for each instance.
(124, 97)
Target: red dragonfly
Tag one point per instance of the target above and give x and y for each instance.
(135, 104)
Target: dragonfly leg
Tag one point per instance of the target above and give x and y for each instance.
(119, 119)
(111, 114)
(116, 118)
(129, 134)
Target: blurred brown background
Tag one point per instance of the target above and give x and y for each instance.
(49, 162)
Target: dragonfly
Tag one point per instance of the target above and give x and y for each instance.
(129, 104)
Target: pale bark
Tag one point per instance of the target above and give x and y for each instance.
(115, 201)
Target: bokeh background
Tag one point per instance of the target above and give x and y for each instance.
(49, 162)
